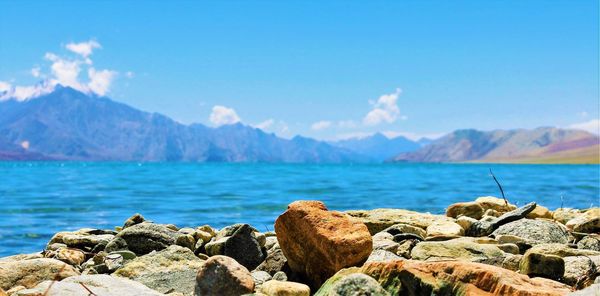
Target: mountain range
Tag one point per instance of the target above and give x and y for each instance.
(66, 124)
(540, 145)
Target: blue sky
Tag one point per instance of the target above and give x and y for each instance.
(321, 69)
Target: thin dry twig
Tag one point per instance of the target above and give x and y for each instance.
(56, 279)
(499, 186)
(88, 289)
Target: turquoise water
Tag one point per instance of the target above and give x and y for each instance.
(39, 199)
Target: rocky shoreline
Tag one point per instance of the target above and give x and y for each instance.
(481, 247)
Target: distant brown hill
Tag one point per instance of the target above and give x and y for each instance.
(540, 145)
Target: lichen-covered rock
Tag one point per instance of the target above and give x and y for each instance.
(590, 242)
(457, 278)
(143, 238)
(29, 273)
(318, 242)
(380, 219)
(589, 222)
(221, 275)
(171, 269)
(543, 265)
(535, 231)
(454, 249)
(465, 209)
(280, 288)
(562, 250)
(353, 284)
(99, 284)
(260, 277)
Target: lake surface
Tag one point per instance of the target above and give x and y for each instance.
(41, 198)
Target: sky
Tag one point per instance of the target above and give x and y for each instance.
(323, 69)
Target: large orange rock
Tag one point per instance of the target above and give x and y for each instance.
(410, 277)
(317, 242)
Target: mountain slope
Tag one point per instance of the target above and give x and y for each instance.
(505, 146)
(70, 125)
(378, 146)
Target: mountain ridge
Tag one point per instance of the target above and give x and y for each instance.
(516, 146)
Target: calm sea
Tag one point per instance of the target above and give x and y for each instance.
(41, 198)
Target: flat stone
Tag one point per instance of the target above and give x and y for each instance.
(412, 277)
(454, 249)
(380, 219)
(484, 228)
(99, 284)
(382, 255)
(444, 228)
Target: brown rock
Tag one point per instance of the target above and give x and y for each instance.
(317, 242)
(468, 209)
(457, 278)
(495, 203)
(589, 222)
(279, 288)
(70, 256)
(539, 212)
(222, 275)
(29, 273)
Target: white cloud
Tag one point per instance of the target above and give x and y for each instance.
(320, 125)
(592, 126)
(355, 135)
(265, 124)
(66, 72)
(100, 80)
(129, 74)
(385, 109)
(222, 115)
(35, 72)
(4, 86)
(84, 49)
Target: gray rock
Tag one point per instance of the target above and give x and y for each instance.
(382, 256)
(579, 271)
(535, 231)
(590, 242)
(99, 284)
(270, 242)
(82, 241)
(280, 276)
(260, 277)
(144, 238)
(244, 248)
(274, 262)
(593, 290)
(357, 284)
(172, 269)
(483, 228)
(221, 275)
